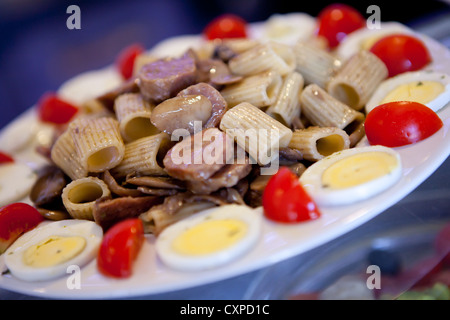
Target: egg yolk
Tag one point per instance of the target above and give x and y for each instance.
(209, 237)
(418, 91)
(358, 169)
(53, 251)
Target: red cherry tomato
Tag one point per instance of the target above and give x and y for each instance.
(120, 247)
(336, 21)
(53, 109)
(285, 200)
(396, 124)
(16, 219)
(401, 53)
(125, 59)
(5, 158)
(226, 26)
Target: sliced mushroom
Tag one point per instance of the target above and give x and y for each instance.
(218, 103)
(156, 182)
(48, 187)
(107, 212)
(182, 112)
(118, 189)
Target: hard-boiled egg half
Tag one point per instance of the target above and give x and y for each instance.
(48, 250)
(209, 239)
(365, 38)
(285, 28)
(352, 175)
(90, 85)
(427, 87)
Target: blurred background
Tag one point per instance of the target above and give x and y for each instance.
(38, 52)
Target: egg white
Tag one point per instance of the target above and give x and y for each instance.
(185, 262)
(311, 179)
(176, 46)
(353, 42)
(88, 230)
(16, 181)
(284, 28)
(390, 84)
(90, 85)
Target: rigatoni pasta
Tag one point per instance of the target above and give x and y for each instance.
(260, 90)
(256, 132)
(316, 65)
(133, 114)
(357, 80)
(141, 157)
(264, 57)
(316, 143)
(98, 142)
(79, 196)
(65, 156)
(323, 110)
(287, 106)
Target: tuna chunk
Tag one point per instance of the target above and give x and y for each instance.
(164, 78)
(188, 161)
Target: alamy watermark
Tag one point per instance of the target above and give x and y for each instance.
(74, 20)
(374, 279)
(74, 280)
(374, 20)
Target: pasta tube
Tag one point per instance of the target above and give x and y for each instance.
(264, 57)
(287, 105)
(316, 65)
(80, 195)
(98, 142)
(316, 143)
(133, 114)
(260, 90)
(323, 110)
(256, 132)
(65, 156)
(239, 45)
(141, 157)
(357, 80)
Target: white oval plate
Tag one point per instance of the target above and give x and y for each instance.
(278, 241)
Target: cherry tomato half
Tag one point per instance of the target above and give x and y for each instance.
(120, 247)
(5, 158)
(16, 219)
(55, 110)
(126, 58)
(226, 26)
(285, 200)
(401, 53)
(400, 123)
(336, 21)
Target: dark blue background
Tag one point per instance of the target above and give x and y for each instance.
(38, 53)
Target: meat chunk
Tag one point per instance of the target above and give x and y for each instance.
(199, 156)
(228, 176)
(164, 78)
